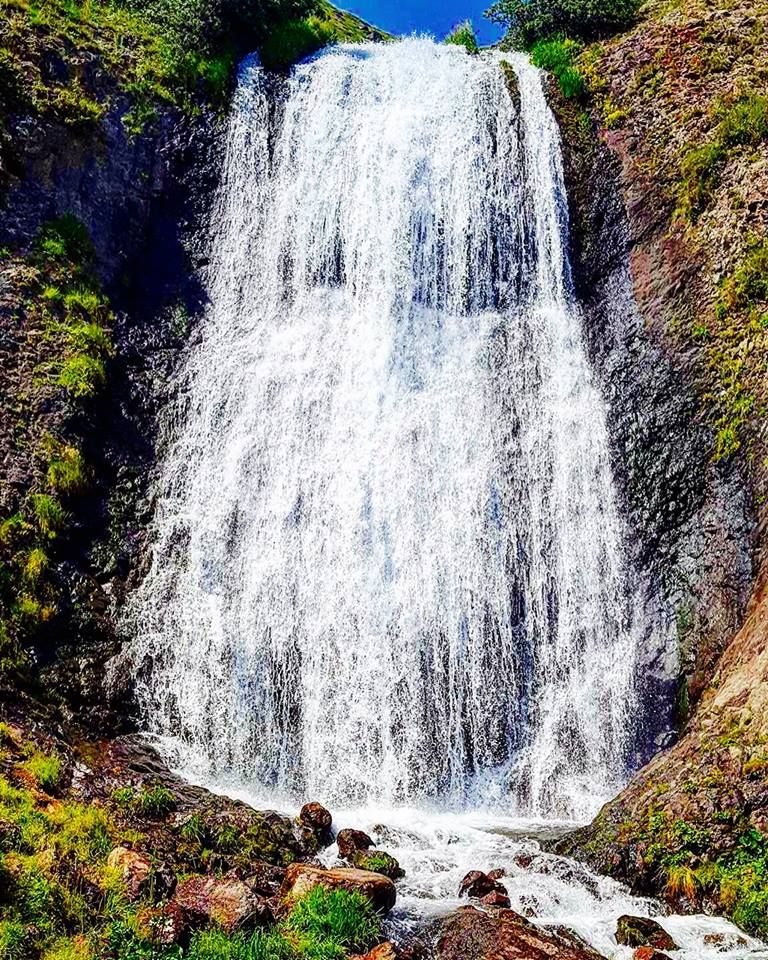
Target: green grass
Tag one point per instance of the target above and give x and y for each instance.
(463, 35)
(557, 55)
(742, 123)
(66, 472)
(344, 917)
(45, 769)
(48, 513)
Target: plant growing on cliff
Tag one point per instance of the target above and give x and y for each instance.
(558, 57)
(463, 35)
(528, 21)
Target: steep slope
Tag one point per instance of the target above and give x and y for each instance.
(681, 110)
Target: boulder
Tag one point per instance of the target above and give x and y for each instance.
(471, 934)
(227, 902)
(725, 941)
(163, 926)
(384, 951)
(495, 899)
(302, 877)
(264, 878)
(649, 953)
(377, 861)
(643, 932)
(478, 885)
(140, 875)
(350, 841)
(318, 821)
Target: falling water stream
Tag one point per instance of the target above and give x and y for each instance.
(388, 571)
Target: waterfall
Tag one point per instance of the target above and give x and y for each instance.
(387, 564)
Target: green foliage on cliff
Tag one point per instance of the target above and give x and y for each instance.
(739, 124)
(736, 877)
(558, 57)
(66, 344)
(463, 35)
(528, 21)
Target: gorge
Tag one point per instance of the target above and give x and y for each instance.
(386, 491)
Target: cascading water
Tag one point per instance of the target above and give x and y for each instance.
(387, 562)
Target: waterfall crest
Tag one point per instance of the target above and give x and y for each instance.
(387, 564)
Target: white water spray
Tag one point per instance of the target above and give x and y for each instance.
(387, 563)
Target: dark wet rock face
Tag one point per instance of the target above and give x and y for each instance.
(690, 519)
(351, 841)
(643, 932)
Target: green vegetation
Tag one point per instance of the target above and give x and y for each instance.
(289, 41)
(66, 321)
(558, 56)
(152, 802)
(463, 35)
(528, 21)
(45, 769)
(61, 901)
(742, 123)
(341, 917)
(737, 877)
(737, 347)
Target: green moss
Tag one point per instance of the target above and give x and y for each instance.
(742, 123)
(156, 802)
(463, 35)
(82, 376)
(13, 940)
(45, 768)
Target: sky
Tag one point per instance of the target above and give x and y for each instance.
(407, 16)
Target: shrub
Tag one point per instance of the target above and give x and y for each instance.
(45, 768)
(557, 56)
(463, 35)
(528, 21)
(289, 42)
(343, 917)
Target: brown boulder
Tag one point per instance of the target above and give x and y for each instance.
(377, 861)
(649, 953)
(477, 884)
(140, 875)
(470, 934)
(384, 951)
(318, 820)
(495, 899)
(350, 841)
(643, 932)
(227, 902)
(264, 878)
(302, 877)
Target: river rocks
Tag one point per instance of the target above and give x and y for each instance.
(649, 953)
(495, 899)
(384, 951)
(471, 934)
(140, 875)
(163, 926)
(643, 932)
(350, 841)
(226, 901)
(318, 821)
(377, 861)
(724, 942)
(477, 884)
(302, 877)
